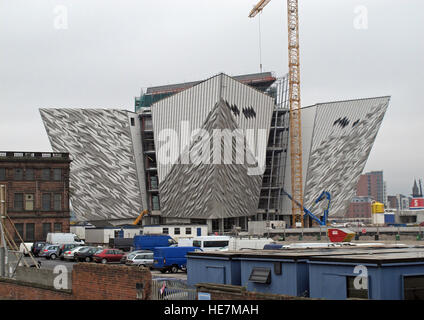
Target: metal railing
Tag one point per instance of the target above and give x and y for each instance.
(172, 289)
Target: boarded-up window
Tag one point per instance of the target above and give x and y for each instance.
(29, 202)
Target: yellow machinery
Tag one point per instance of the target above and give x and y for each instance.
(377, 207)
(295, 116)
(141, 215)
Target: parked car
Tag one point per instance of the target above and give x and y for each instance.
(25, 248)
(108, 255)
(69, 254)
(37, 246)
(144, 259)
(86, 254)
(66, 247)
(49, 252)
(126, 255)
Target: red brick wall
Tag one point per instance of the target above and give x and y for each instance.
(109, 282)
(13, 290)
(89, 282)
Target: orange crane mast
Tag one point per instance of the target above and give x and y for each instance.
(295, 105)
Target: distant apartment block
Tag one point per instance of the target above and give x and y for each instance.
(37, 193)
(372, 185)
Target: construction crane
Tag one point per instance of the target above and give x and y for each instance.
(295, 116)
(140, 216)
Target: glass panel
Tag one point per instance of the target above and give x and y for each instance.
(29, 174)
(19, 174)
(45, 174)
(30, 231)
(57, 174)
(57, 202)
(2, 173)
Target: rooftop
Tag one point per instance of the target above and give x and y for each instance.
(33, 156)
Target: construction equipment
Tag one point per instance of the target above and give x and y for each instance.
(140, 216)
(321, 221)
(295, 116)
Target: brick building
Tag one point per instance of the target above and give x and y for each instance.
(37, 187)
(371, 184)
(360, 207)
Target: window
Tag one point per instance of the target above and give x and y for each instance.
(132, 122)
(57, 202)
(165, 230)
(29, 231)
(2, 173)
(19, 174)
(176, 230)
(29, 202)
(57, 174)
(18, 203)
(352, 292)
(215, 244)
(29, 174)
(47, 228)
(187, 230)
(46, 199)
(58, 227)
(155, 203)
(413, 287)
(45, 174)
(19, 230)
(277, 268)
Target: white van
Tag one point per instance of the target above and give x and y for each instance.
(212, 243)
(25, 248)
(63, 238)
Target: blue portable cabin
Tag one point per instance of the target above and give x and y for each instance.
(390, 276)
(171, 258)
(213, 267)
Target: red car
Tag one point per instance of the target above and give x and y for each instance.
(108, 255)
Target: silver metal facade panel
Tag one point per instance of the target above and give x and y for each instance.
(344, 133)
(208, 190)
(104, 183)
(196, 103)
(248, 108)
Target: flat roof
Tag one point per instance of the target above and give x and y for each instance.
(329, 254)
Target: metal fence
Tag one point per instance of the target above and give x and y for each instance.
(172, 289)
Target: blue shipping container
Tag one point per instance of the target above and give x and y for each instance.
(389, 218)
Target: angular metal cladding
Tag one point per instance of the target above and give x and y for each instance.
(343, 136)
(104, 178)
(207, 190)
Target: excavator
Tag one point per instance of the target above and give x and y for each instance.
(140, 216)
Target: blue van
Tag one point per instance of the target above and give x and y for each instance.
(151, 241)
(171, 259)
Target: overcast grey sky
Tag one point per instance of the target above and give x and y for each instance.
(110, 49)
